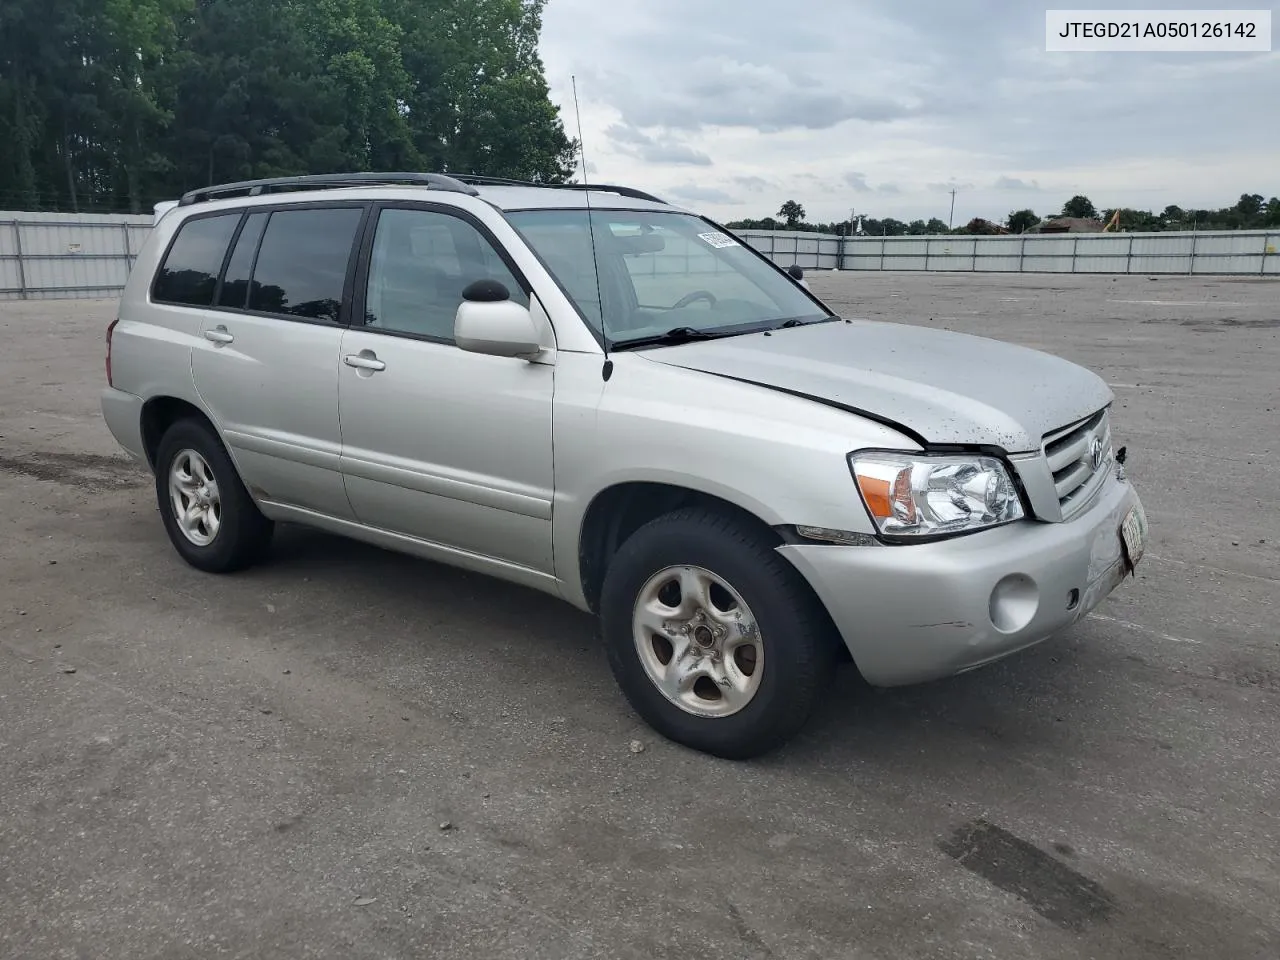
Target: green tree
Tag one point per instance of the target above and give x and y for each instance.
(792, 213)
(1020, 221)
(478, 99)
(137, 38)
(1080, 206)
(1250, 205)
(936, 227)
(117, 103)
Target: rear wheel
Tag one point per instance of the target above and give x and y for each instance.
(211, 520)
(714, 638)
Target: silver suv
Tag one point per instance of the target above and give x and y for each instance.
(599, 395)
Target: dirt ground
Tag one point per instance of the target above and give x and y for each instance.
(264, 765)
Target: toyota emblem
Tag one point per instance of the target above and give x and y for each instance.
(1096, 450)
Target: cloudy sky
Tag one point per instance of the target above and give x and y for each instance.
(733, 106)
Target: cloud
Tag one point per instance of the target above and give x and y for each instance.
(725, 92)
(1016, 184)
(664, 150)
(918, 98)
(700, 194)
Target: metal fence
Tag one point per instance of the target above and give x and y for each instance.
(58, 255)
(48, 256)
(1235, 252)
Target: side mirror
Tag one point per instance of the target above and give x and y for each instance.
(488, 322)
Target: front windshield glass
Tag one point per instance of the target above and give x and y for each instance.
(659, 272)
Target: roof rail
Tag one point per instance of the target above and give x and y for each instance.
(611, 188)
(602, 187)
(325, 181)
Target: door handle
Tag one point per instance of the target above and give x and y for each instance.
(218, 335)
(366, 360)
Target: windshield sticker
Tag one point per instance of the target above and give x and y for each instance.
(718, 240)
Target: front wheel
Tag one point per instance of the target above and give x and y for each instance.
(715, 640)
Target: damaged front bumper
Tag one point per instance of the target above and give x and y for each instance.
(923, 611)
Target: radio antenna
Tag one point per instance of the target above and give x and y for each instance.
(582, 148)
(591, 232)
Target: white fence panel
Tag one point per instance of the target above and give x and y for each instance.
(1226, 252)
(1039, 264)
(58, 255)
(44, 255)
(1100, 264)
(998, 264)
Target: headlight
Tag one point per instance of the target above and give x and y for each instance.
(925, 496)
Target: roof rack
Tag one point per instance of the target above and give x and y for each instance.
(326, 181)
(602, 187)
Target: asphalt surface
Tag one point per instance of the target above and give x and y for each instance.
(263, 765)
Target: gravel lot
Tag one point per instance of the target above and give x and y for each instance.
(262, 766)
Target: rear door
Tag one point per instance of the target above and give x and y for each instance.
(266, 362)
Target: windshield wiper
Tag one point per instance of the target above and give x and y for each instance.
(672, 337)
(803, 322)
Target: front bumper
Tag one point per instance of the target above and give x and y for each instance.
(914, 613)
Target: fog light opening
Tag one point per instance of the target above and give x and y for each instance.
(1073, 599)
(1014, 603)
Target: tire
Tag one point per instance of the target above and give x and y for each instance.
(794, 653)
(232, 533)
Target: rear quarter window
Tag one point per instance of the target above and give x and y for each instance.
(190, 269)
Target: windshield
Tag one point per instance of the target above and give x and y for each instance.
(661, 272)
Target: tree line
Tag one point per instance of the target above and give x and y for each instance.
(1250, 212)
(115, 104)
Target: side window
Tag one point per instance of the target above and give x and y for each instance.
(421, 262)
(190, 270)
(235, 284)
(302, 262)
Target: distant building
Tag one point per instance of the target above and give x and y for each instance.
(1068, 225)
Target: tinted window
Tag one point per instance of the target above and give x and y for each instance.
(235, 283)
(421, 263)
(302, 264)
(190, 271)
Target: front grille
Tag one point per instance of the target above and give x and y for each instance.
(1078, 457)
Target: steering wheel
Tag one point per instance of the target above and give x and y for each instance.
(697, 295)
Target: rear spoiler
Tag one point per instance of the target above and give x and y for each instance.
(160, 209)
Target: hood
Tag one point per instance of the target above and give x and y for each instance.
(942, 387)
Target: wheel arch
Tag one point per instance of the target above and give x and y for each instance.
(160, 413)
(620, 509)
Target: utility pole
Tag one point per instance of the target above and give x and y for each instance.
(952, 215)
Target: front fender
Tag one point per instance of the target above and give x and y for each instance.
(781, 458)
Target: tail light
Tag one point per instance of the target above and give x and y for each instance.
(111, 328)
